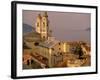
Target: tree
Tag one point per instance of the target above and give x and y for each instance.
(79, 51)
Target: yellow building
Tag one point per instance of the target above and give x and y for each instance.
(42, 25)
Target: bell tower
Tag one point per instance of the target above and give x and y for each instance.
(45, 28)
(38, 23)
(42, 27)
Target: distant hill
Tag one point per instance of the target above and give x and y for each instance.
(30, 34)
(27, 28)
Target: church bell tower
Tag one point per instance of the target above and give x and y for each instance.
(42, 25)
(44, 31)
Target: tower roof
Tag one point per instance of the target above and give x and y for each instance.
(45, 14)
(39, 16)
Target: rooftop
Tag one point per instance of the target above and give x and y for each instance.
(49, 43)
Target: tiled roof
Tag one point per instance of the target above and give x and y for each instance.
(87, 48)
(49, 43)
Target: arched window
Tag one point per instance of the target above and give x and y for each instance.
(28, 62)
(53, 49)
(36, 43)
(38, 24)
(59, 48)
(43, 24)
(31, 61)
(43, 36)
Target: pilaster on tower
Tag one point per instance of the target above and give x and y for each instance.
(38, 23)
(45, 28)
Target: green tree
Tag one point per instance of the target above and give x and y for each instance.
(79, 51)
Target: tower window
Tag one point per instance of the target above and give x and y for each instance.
(53, 49)
(36, 43)
(37, 24)
(43, 36)
(59, 43)
(44, 24)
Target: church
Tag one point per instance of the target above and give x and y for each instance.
(50, 48)
(43, 44)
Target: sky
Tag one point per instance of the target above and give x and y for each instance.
(65, 26)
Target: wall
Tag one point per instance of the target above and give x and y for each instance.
(5, 41)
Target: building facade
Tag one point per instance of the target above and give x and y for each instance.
(52, 50)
